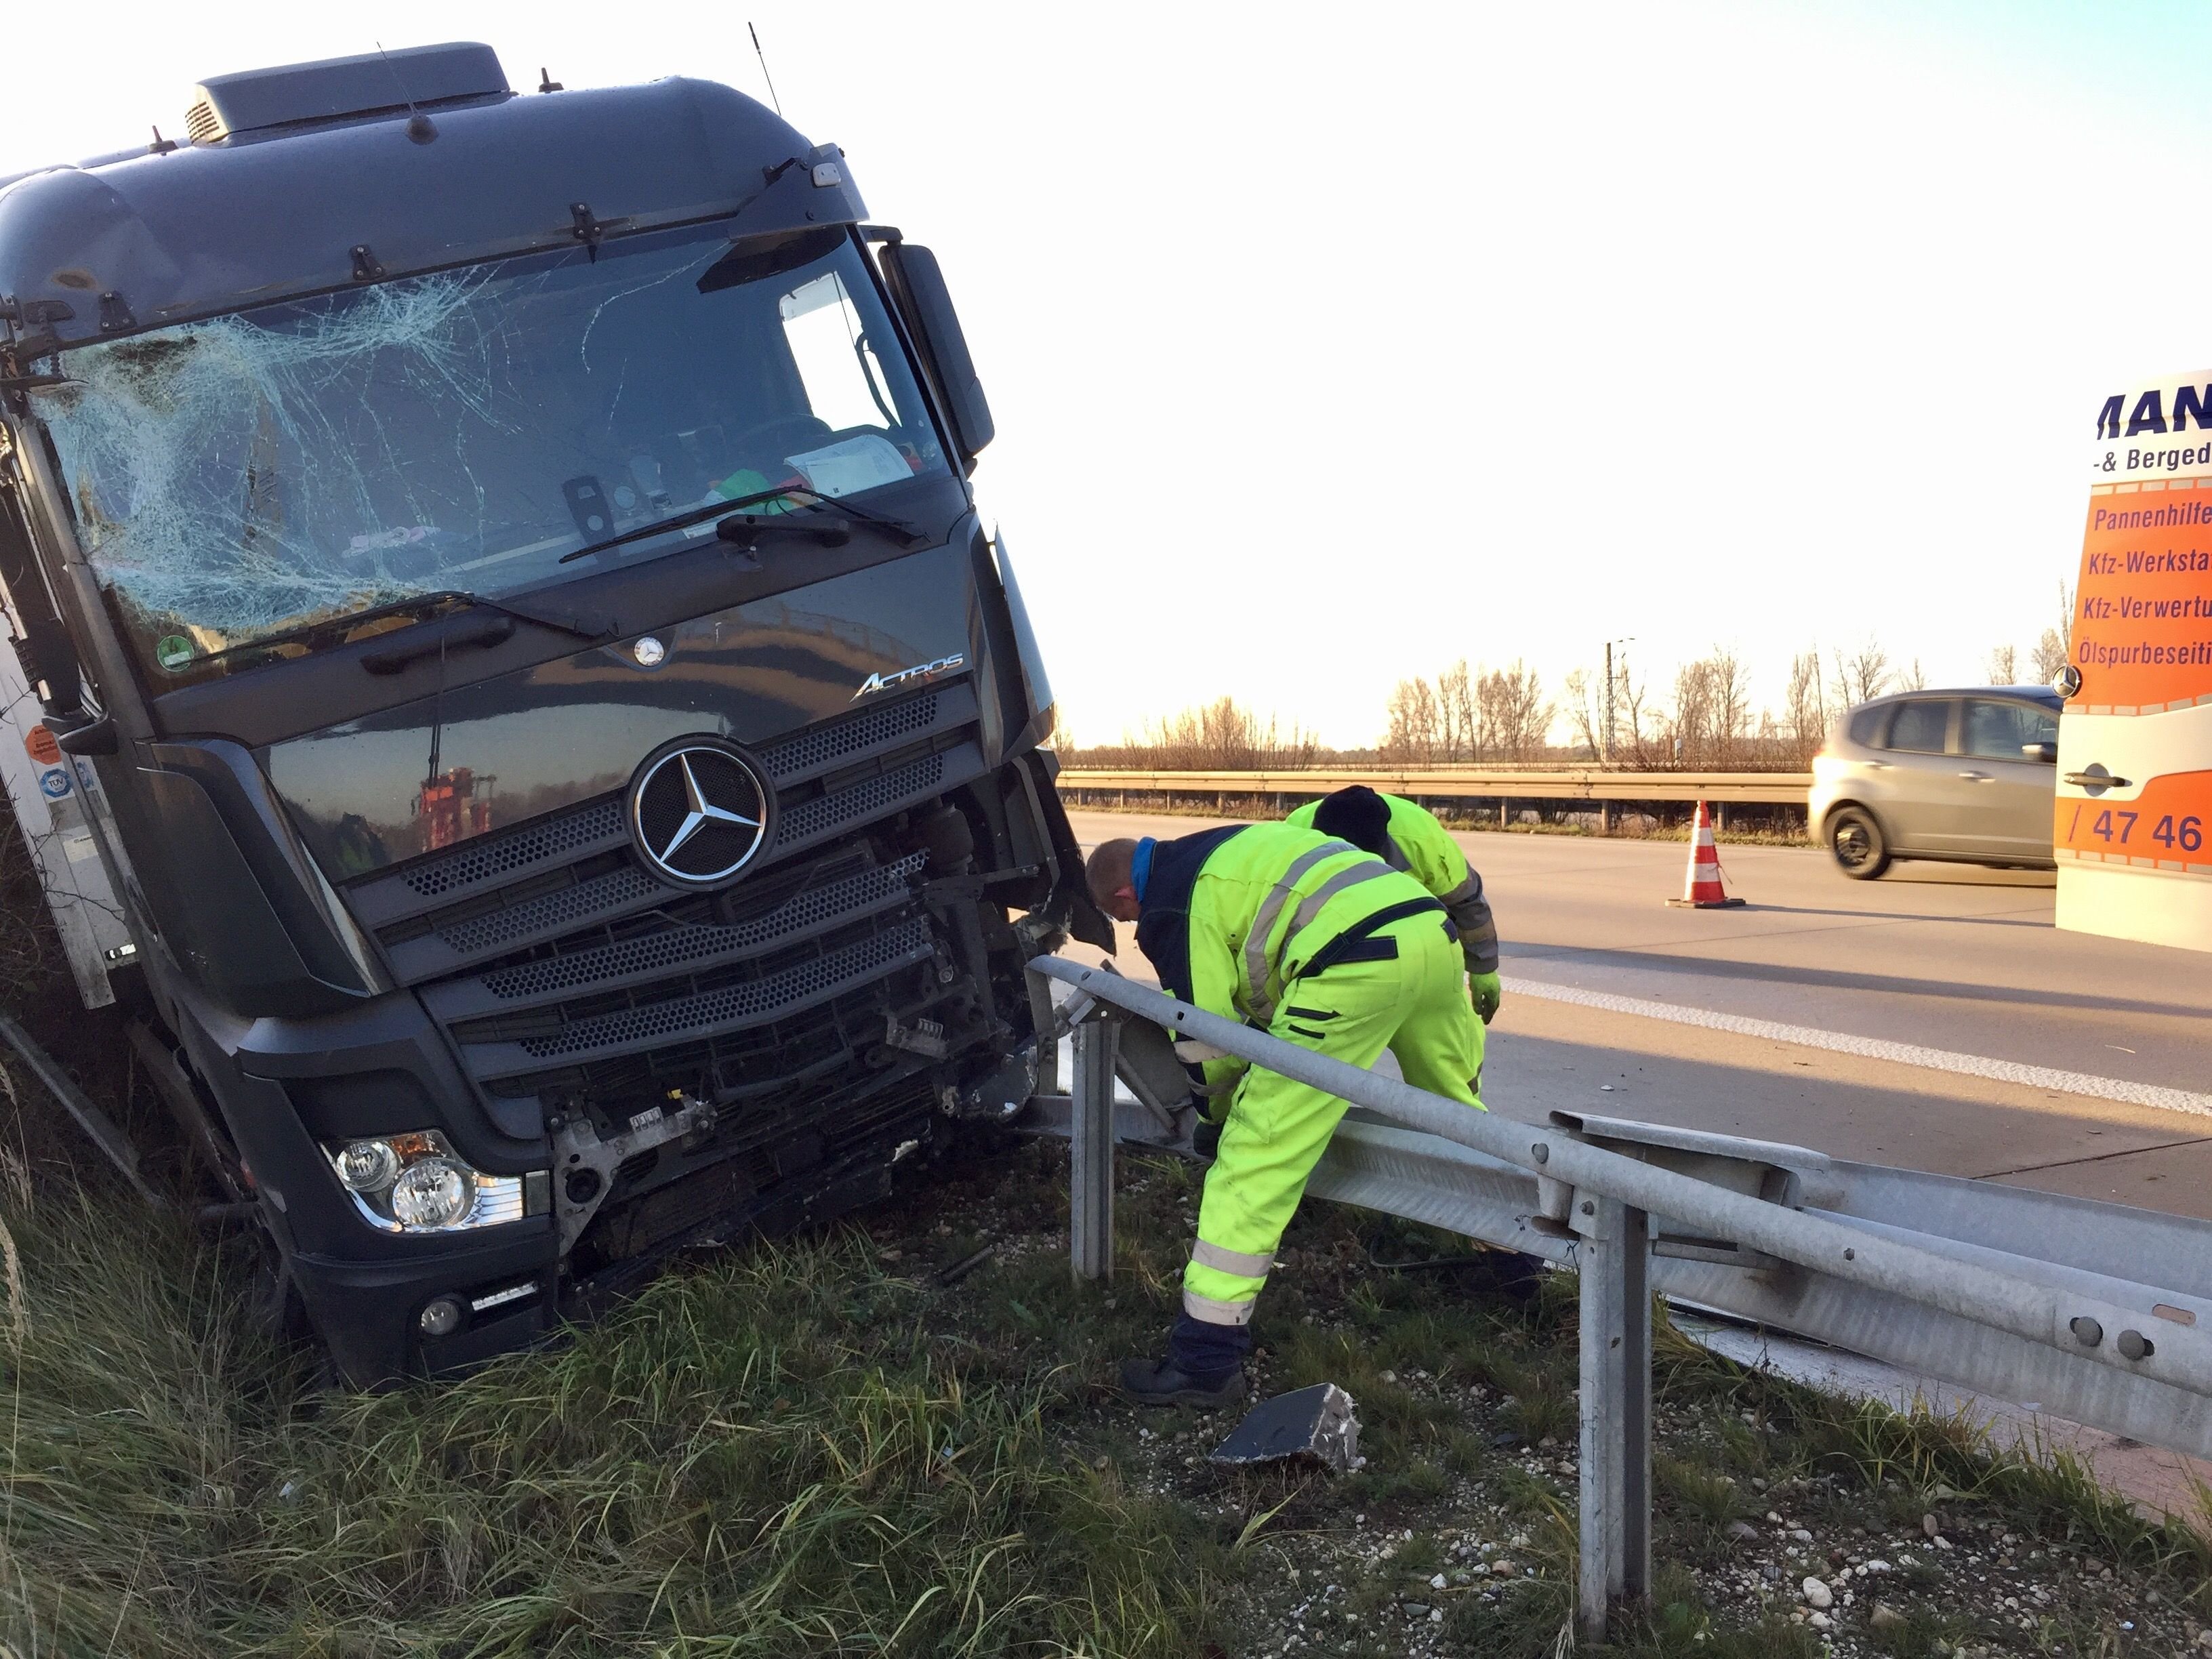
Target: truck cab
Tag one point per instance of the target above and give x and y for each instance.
(502, 572)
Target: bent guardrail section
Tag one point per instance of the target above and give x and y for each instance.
(2022, 1295)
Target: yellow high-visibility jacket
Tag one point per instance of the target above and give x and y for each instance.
(1427, 851)
(1226, 915)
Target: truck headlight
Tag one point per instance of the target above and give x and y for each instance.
(435, 1192)
(366, 1166)
(416, 1183)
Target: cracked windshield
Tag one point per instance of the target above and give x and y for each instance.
(272, 473)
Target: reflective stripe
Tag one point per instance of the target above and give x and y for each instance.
(1469, 888)
(1191, 1051)
(1470, 915)
(1328, 889)
(1478, 930)
(1206, 1310)
(1394, 855)
(1256, 942)
(1231, 1261)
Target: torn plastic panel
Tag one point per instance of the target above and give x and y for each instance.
(239, 479)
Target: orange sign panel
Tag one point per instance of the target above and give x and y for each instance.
(44, 749)
(2143, 620)
(2167, 827)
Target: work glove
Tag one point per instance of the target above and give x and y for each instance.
(1485, 990)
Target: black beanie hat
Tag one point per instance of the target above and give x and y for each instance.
(1357, 815)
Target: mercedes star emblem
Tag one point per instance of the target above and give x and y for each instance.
(698, 812)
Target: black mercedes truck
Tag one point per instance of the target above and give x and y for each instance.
(500, 569)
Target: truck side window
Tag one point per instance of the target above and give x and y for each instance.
(1920, 726)
(836, 361)
(845, 389)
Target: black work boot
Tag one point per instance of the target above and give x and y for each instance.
(1159, 1383)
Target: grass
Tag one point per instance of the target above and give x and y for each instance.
(767, 1454)
(813, 1447)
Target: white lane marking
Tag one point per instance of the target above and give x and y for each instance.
(1904, 1053)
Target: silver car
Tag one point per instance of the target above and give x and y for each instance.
(1968, 776)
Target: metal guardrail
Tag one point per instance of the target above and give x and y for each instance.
(1462, 783)
(2025, 1295)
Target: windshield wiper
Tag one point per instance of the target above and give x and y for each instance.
(909, 537)
(898, 527)
(583, 625)
(681, 521)
(495, 629)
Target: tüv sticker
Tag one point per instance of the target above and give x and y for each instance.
(54, 784)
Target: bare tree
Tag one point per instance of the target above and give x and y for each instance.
(1458, 731)
(1730, 684)
(1863, 674)
(1805, 720)
(2056, 649)
(1581, 715)
(1711, 720)
(1515, 717)
(1222, 736)
(1642, 746)
(1914, 679)
(2002, 665)
(1416, 730)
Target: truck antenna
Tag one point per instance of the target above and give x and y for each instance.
(420, 127)
(765, 75)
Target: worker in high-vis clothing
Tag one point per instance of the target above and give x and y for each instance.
(1321, 945)
(1406, 837)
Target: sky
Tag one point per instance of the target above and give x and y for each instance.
(1330, 346)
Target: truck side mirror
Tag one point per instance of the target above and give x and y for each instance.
(918, 286)
(49, 660)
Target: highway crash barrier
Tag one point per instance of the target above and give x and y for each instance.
(2010, 1293)
(1510, 787)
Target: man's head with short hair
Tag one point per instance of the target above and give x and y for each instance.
(1113, 886)
(1357, 815)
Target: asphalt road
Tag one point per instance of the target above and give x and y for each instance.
(1934, 1019)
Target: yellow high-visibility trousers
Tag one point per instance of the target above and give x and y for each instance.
(1416, 1006)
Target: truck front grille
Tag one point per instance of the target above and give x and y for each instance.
(674, 950)
(477, 862)
(647, 1023)
(560, 966)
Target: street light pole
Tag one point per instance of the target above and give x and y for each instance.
(1606, 758)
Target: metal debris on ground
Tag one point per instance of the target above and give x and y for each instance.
(1317, 1423)
(967, 1265)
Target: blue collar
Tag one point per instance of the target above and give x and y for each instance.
(1140, 866)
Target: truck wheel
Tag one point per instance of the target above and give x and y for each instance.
(1855, 841)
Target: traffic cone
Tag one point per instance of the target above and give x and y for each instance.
(1702, 890)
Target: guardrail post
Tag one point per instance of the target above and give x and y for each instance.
(1091, 1166)
(1044, 1021)
(1614, 1257)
